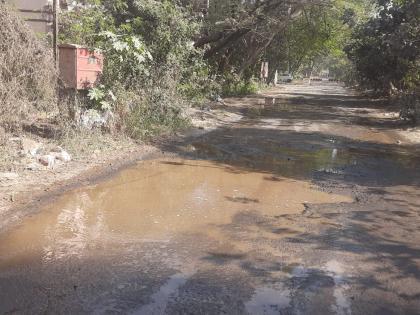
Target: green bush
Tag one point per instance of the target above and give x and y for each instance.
(386, 49)
(154, 111)
(233, 85)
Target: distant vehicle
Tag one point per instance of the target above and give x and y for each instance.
(285, 77)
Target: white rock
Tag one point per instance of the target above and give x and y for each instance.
(63, 156)
(93, 118)
(47, 160)
(57, 149)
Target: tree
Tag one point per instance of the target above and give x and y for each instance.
(386, 49)
(238, 33)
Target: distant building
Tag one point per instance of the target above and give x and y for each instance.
(38, 13)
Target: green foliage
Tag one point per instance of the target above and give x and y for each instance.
(102, 98)
(82, 25)
(297, 37)
(386, 49)
(233, 85)
(314, 41)
(127, 61)
(158, 109)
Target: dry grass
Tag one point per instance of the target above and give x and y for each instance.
(27, 74)
(82, 143)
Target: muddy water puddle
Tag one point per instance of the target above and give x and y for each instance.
(154, 201)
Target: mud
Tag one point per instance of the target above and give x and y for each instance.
(308, 207)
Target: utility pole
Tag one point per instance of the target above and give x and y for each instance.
(56, 4)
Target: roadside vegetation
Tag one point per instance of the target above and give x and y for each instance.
(162, 57)
(385, 53)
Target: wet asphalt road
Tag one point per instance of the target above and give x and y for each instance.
(306, 206)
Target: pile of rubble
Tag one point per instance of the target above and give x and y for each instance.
(36, 155)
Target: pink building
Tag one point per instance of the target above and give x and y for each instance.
(80, 68)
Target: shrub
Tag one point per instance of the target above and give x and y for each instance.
(233, 85)
(27, 73)
(409, 103)
(152, 70)
(156, 108)
(386, 49)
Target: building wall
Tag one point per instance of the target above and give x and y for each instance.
(38, 13)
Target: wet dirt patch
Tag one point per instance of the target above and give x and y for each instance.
(268, 301)
(309, 156)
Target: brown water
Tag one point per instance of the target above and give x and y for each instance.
(156, 200)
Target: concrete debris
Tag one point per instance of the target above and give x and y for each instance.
(62, 156)
(47, 160)
(92, 118)
(57, 149)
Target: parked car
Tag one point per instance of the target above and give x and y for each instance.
(285, 77)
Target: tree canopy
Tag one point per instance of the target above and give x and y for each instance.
(386, 49)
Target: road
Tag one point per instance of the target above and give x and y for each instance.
(304, 200)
